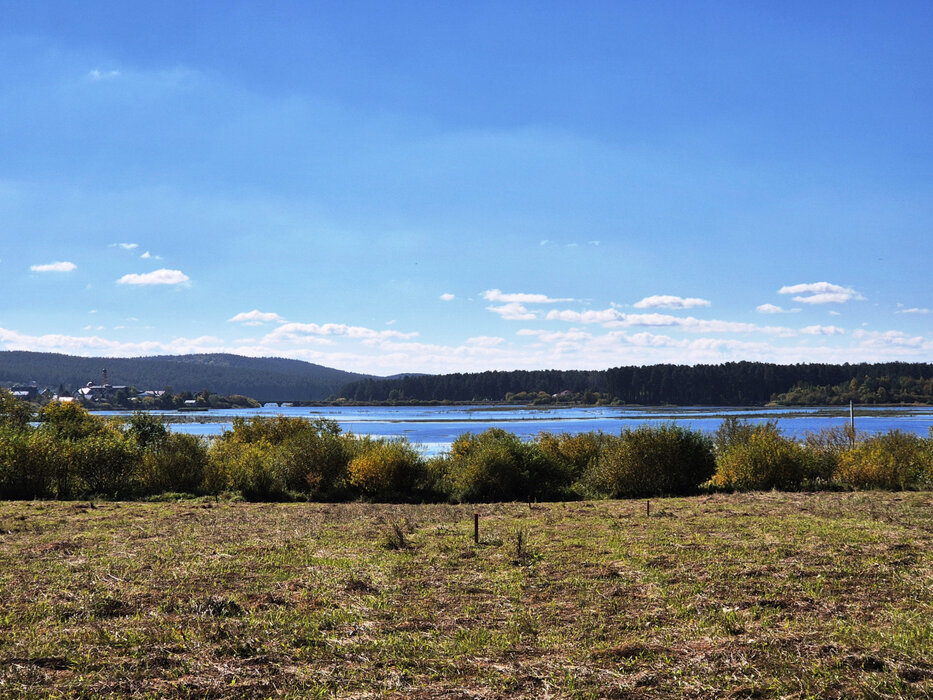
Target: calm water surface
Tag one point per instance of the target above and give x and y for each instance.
(436, 427)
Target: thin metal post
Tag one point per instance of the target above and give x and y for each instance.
(852, 422)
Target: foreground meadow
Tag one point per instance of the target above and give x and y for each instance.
(752, 595)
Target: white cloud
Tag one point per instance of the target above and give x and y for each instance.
(896, 339)
(773, 309)
(97, 75)
(821, 293)
(97, 346)
(822, 330)
(512, 311)
(296, 331)
(256, 318)
(485, 341)
(666, 301)
(149, 256)
(162, 276)
(591, 316)
(55, 267)
(520, 298)
(447, 297)
(914, 310)
(125, 246)
(612, 318)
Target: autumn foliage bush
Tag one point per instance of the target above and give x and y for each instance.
(76, 454)
(895, 460)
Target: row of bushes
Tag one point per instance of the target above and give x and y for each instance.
(73, 454)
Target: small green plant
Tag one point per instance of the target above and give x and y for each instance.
(396, 538)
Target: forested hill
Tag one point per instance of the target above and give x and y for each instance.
(262, 378)
(730, 384)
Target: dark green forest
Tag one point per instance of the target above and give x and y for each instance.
(729, 384)
(265, 378)
(277, 379)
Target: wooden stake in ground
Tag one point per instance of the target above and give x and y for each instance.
(476, 528)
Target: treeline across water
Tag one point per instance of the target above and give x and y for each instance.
(75, 454)
(729, 384)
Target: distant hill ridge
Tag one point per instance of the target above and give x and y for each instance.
(262, 378)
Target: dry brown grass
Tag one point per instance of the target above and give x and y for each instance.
(756, 595)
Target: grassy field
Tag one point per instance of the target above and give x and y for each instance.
(760, 595)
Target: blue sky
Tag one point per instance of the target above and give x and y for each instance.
(390, 186)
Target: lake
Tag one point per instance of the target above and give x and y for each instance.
(436, 427)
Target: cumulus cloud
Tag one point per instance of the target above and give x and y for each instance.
(447, 297)
(149, 256)
(162, 276)
(256, 318)
(774, 309)
(666, 301)
(519, 298)
(822, 330)
(125, 246)
(55, 267)
(821, 293)
(512, 311)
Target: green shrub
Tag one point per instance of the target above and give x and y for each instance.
(823, 452)
(146, 429)
(247, 467)
(497, 466)
(14, 412)
(387, 469)
(736, 431)
(105, 463)
(576, 453)
(276, 430)
(175, 463)
(652, 460)
(314, 461)
(299, 455)
(894, 460)
(29, 463)
(69, 421)
(762, 459)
